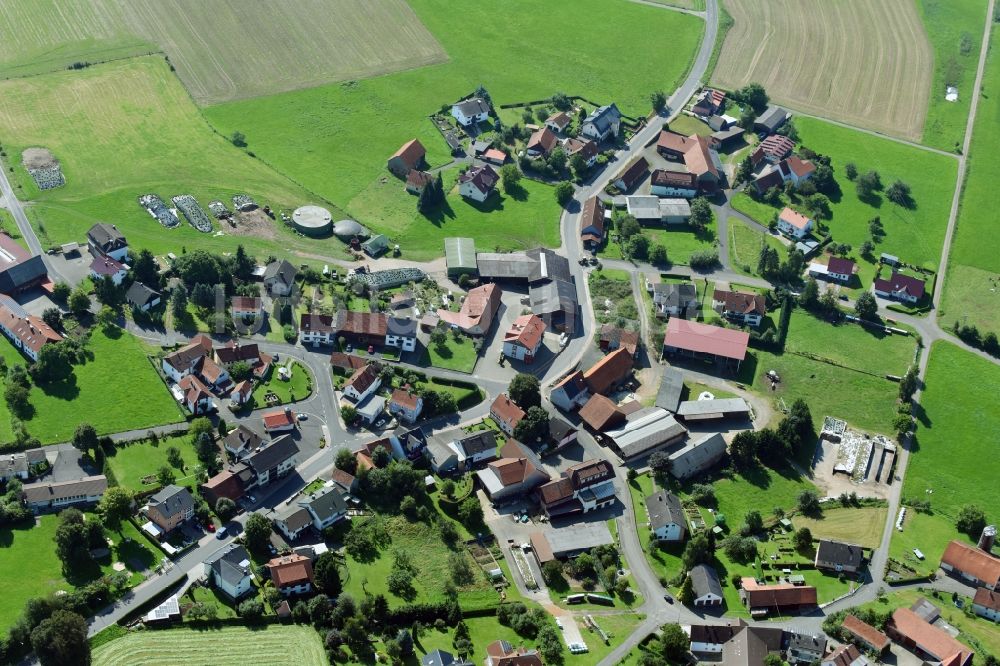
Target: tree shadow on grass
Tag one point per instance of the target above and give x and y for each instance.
(440, 213)
(66, 389)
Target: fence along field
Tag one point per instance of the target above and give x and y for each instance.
(861, 62)
(223, 50)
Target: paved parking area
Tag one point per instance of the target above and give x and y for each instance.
(75, 267)
(36, 302)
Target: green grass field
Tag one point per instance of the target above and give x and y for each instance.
(117, 391)
(31, 567)
(862, 526)
(955, 30)
(456, 354)
(915, 235)
(225, 646)
(745, 243)
(336, 139)
(133, 462)
(298, 387)
(135, 113)
(929, 533)
(866, 401)
(971, 288)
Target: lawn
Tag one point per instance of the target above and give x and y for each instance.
(915, 235)
(429, 554)
(865, 400)
(688, 125)
(929, 533)
(117, 391)
(863, 525)
(522, 220)
(611, 293)
(666, 561)
(132, 463)
(970, 289)
(955, 31)
(298, 387)
(682, 240)
(953, 428)
(135, 112)
(456, 354)
(275, 644)
(32, 547)
(335, 139)
(745, 243)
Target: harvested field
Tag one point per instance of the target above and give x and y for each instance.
(865, 63)
(224, 49)
(273, 644)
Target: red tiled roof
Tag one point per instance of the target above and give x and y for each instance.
(799, 166)
(504, 409)
(698, 158)
(634, 173)
(478, 309)
(543, 140)
(417, 179)
(600, 412)
(585, 147)
(794, 218)
(899, 282)
(932, 640)
(987, 598)
(679, 179)
(405, 399)
(673, 142)
(706, 339)
(363, 378)
(290, 570)
(845, 655)
(740, 302)
(610, 370)
(592, 215)
(373, 324)
(777, 146)
(973, 561)
(278, 419)
(560, 120)
(866, 633)
(494, 155)
(247, 304)
(411, 153)
(527, 331)
(346, 361)
(840, 265)
(781, 594)
(627, 340)
(31, 331)
(311, 322)
(194, 389)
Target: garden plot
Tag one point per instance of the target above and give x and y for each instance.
(196, 217)
(154, 206)
(43, 167)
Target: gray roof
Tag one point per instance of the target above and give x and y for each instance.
(473, 106)
(555, 296)
(603, 117)
(371, 407)
(579, 537)
(106, 237)
(231, 563)
(534, 265)
(402, 326)
(675, 208)
(837, 552)
(326, 503)
(807, 642)
(701, 409)
(664, 509)
(478, 442)
(550, 265)
(294, 516)
(172, 500)
(22, 273)
(139, 294)
(35, 493)
(705, 580)
(671, 389)
(12, 464)
(376, 244)
(673, 293)
(282, 271)
(242, 437)
(697, 455)
(348, 228)
(460, 253)
(272, 455)
(644, 431)
(442, 658)
(772, 118)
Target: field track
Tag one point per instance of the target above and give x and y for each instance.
(222, 49)
(227, 646)
(861, 62)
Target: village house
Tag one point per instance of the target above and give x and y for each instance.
(735, 643)
(746, 309)
(603, 122)
(666, 517)
(699, 158)
(592, 223)
(614, 337)
(417, 180)
(406, 405)
(697, 456)
(571, 392)
(141, 297)
(584, 147)
(836, 269)
(541, 143)
(230, 483)
(561, 434)
(900, 287)
(240, 441)
(986, 604)
(478, 309)
(26, 331)
(516, 474)
(102, 267)
(363, 383)
(794, 224)
(475, 448)
(610, 372)
(558, 122)
(506, 414)
(279, 278)
(241, 393)
(709, 102)
(772, 118)
(471, 111)
(523, 339)
(583, 488)
(670, 183)
(838, 556)
(279, 421)
(868, 636)
(247, 307)
(973, 565)
(401, 333)
(914, 633)
(600, 413)
(411, 155)
(234, 352)
(779, 598)
(274, 460)
(478, 183)
(362, 329)
(675, 299)
(291, 574)
(805, 648)
(346, 363)
(195, 395)
(228, 570)
(55, 496)
(319, 510)
(170, 508)
(187, 359)
(105, 240)
(502, 653)
(632, 175)
(14, 466)
(845, 655)
(706, 586)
